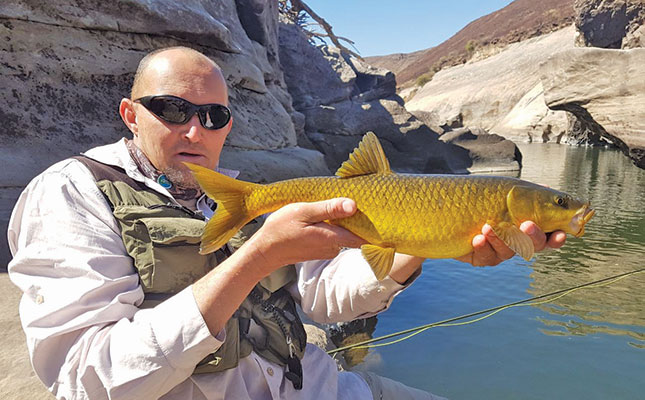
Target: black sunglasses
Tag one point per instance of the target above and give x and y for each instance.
(176, 110)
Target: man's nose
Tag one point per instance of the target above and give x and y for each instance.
(193, 134)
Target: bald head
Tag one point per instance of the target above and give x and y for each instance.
(169, 64)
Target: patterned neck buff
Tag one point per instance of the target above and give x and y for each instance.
(148, 170)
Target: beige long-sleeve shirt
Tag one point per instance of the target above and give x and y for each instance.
(87, 336)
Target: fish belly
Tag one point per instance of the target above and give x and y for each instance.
(430, 217)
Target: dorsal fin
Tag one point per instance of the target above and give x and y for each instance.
(367, 158)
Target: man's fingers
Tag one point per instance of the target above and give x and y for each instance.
(327, 210)
(556, 239)
(535, 233)
(483, 252)
(498, 246)
(341, 237)
(316, 213)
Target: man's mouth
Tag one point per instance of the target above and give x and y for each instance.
(189, 154)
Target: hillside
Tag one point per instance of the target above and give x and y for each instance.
(522, 19)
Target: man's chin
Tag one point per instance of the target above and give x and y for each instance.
(181, 176)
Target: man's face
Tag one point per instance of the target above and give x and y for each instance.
(167, 145)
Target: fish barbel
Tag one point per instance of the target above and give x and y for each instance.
(430, 216)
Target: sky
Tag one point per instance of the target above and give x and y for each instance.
(380, 27)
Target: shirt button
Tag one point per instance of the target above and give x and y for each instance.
(270, 371)
(40, 299)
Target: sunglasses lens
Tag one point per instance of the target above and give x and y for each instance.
(171, 109)
(215, 116)
(179, 111)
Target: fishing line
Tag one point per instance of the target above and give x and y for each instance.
(548, 297)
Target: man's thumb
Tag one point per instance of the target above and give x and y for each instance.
(331, 209)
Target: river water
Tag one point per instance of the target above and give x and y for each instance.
(589, 344)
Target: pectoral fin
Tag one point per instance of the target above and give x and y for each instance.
(514, 238)
(379, 258)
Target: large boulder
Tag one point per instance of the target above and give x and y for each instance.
(484, 152)
(610, 24)
(530, 119)
(605, 90)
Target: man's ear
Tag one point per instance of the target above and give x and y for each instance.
(126, 110)
(229, 126)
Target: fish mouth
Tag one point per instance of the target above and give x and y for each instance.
(580, 219)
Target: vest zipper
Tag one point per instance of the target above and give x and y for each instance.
(294, 366)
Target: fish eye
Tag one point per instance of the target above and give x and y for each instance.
(562, 201)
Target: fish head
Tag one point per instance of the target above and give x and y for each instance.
(550, 209)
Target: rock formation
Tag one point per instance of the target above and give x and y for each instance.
(341, 98)
(610, 24)
(486, 152)
(592, 85)
(502, 94)
(545, 89)
(604, 89)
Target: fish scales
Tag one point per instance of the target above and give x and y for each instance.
(433, 216)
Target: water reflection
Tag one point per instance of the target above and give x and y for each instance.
(613, 242)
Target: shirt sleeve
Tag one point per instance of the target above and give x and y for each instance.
(344, 288)
(86, 335)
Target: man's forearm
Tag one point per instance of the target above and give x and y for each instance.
(220, 292)
(404, 266)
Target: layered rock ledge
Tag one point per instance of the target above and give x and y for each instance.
(605, 90)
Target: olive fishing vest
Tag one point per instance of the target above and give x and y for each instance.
(163, 239)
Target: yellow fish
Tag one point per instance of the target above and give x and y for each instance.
(430, 216)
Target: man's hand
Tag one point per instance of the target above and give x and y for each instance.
(297, 232)
(488, 249)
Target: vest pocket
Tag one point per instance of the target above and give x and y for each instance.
(228, 355)
(166, 252)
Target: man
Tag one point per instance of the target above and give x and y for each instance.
(117, 304)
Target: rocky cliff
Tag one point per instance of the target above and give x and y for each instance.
(604, 88)
(548, 90)
(610, 24)
(605, 91)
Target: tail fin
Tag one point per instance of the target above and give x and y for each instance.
(230, 215)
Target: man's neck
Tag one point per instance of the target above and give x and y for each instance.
(190, 203)
(149, 170)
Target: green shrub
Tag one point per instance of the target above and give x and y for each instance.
(423, 79)
(471, 46)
